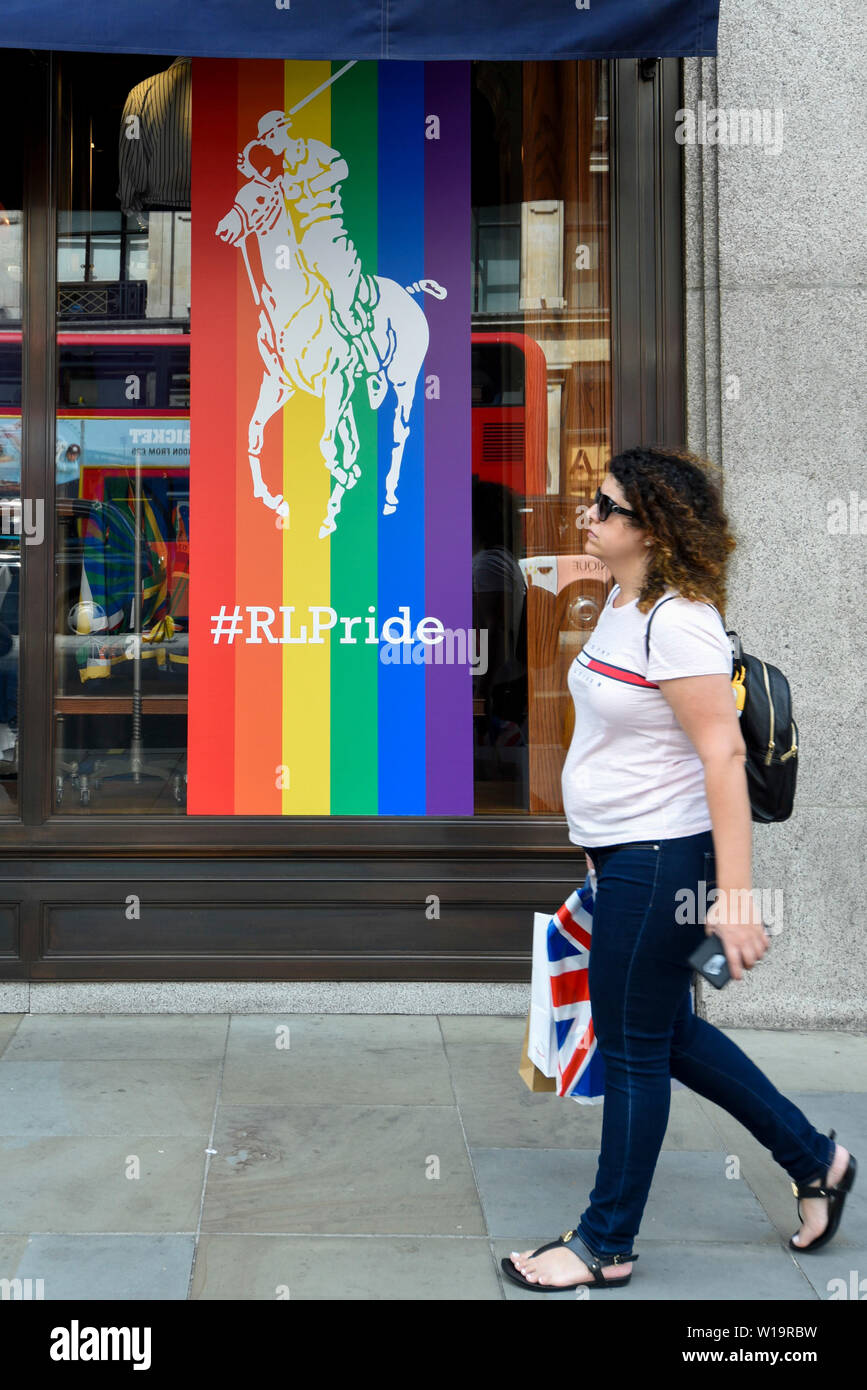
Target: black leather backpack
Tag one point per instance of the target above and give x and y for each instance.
(764, 705)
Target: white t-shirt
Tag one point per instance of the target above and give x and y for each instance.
(631, 772)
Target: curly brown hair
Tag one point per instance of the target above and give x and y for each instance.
(677, 500)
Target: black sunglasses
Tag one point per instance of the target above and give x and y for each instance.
(605, 506)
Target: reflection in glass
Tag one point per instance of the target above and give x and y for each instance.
(540, 409)
(122, 451)
(17, 518)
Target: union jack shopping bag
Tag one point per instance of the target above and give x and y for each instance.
(560, 1052)
(580, 1068)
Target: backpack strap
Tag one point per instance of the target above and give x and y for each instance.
(734, 640)
(650, 620)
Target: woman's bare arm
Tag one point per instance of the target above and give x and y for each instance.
(705, 709)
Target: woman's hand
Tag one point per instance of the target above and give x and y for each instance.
(737, 922)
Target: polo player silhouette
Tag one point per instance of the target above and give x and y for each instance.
(311, 173)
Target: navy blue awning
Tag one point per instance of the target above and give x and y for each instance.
(402, 29)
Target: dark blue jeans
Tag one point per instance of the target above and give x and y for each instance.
(647, 1032)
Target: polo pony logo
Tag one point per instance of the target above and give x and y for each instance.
(323, 323)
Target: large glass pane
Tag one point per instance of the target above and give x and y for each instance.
(541, 337)
(540, 352)
(20, 519)
(122, 454)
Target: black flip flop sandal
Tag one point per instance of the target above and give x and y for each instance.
(836, 1199)
(593, 1262)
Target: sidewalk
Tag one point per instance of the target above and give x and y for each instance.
(377, 1157)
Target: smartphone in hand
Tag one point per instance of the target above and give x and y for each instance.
(709, 959)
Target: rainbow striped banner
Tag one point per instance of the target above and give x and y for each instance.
(336, 726)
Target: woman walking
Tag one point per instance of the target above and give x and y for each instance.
(655, 792)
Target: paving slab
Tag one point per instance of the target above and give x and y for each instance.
(118, 1037)
(499, 1110)
(356, 1059)
(505, 1030)
(806, 1061)
(772, 1185)
(338, 1268)
(9, 1024)
(11, 1249)
(106, 1097)
(527, 1190)
(74, 1185)
(134, 1268)
(838, 1271)
(341, 1169)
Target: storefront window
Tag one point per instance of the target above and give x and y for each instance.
(20, 519)
(122, 452)
(541, 409)
(536, 337)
